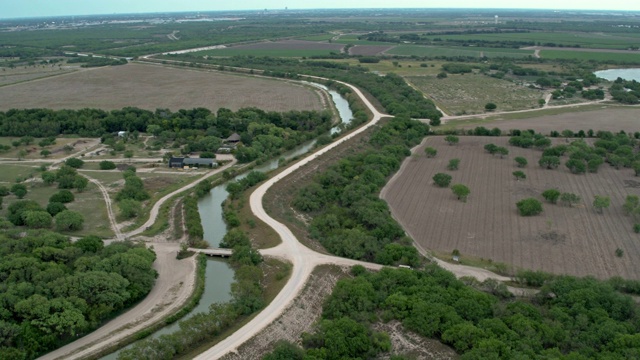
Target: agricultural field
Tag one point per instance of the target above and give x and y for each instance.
(26, 73)
(368, 50)
(596, 117)
(589, 55)
(151, 87)
(563, 240)
(432, 51)
(582, 39)
(285, 48)
(468, 94)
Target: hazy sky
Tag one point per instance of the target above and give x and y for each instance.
(32, 8)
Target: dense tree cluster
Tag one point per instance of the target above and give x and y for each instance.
(570, 318)
(348, 217)
(53, 290)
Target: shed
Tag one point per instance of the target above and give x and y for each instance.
(199, 162)
(234, 138)
(176, 162)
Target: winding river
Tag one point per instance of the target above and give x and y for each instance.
(219, 275)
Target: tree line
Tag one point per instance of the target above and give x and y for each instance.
(348, 218)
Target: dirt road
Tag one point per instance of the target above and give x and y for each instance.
(107, 201)
(172, 289)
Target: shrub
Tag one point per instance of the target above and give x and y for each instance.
(453, 164)
(529, 207)
(19, 190)
(54, 208)
(74, 163)
(460, 191)
(522, 162)
(442, 180)
(107, 165)
(490, 106)
(519, 175)
(551, 195)
(62, 196)
(430, 152)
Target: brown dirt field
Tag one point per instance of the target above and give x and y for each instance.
(563, 240)
(151, 87)
(613, 119)
(291, 45)
(368, 50)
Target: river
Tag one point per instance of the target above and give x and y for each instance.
(219, 274)
(613, 74)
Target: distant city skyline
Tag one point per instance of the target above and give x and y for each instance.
(43, 8)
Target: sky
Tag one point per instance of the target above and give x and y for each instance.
(39, 8)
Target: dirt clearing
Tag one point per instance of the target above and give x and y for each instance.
(151, 87)
(563, 240)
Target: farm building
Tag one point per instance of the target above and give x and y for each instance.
(233, 139)
(191, 162)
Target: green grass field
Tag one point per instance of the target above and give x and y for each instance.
(587, 40)
(468, 94)
(417, 50)
(591, 55)
(321, 37)
(264, 52)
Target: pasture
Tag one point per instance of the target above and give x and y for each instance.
(432, 51)
(468, 94)
(285, 48)
(590, 55)
(151, 87)
(562, 240)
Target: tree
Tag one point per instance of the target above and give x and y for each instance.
(576, 166)
(461, 191)
(631, 204)
(519, 175)
(453, 164)
(4, 191)
(19, 190)
(68, 221)
(451, 139)
(529, 207)
(551, 195)
(45, 153)
(107, 165)
(37, 219)
(441, 75)
(74, 163)
(502, 151)
(54, 208)
(569, 198)
(128, 154)
(522, 162)
(62, 196)
(21, 154)
(48, 177)
(442, 179)
(80, 183)
(490, 106)
(155, 130)
(129, 208)
(594, 163)
(550, 162)
(430, 152)
(601, 202)
(491, 148)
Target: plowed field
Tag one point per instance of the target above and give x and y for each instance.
(563, 240)
(151, 87)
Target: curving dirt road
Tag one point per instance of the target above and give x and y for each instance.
(172, 289)
(107, 201)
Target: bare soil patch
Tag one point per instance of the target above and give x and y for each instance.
(291, 45)
(368, 50)
(607, 118)
(151, 87)
(563, 240)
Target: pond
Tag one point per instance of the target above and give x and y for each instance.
(613, 74)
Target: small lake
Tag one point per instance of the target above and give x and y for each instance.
(613, 74)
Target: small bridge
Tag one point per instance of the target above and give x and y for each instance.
(213, 252)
